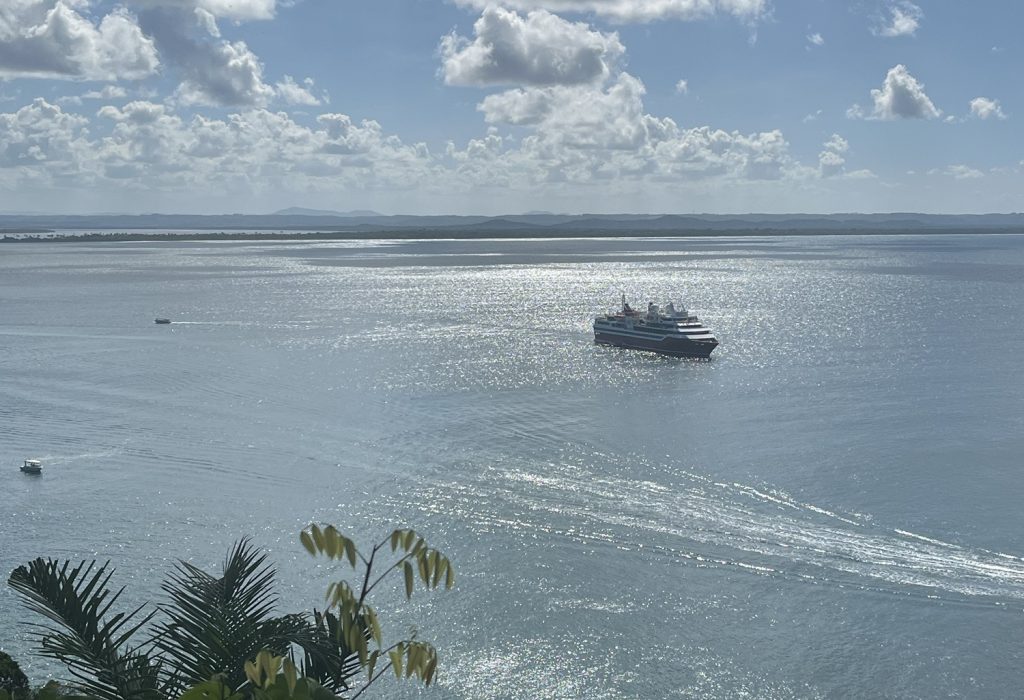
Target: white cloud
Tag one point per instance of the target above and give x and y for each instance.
(587, 134)
(292, 93)
(816, 39)
(58, 39)
(640, 10)
(227, 74)
(831, 160)
(830, 163)
(109, 92)
(151, 147)
(901, 97)
(208, 21)
(903, 19)
(985, 108)
(811, 117)
(538, 49)
(837, 143)
(214, 71)
(683, 87)
(41, 136)
(958, 171)
(862, 174)
(238, 10)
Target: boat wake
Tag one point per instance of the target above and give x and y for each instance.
(55, 459)
(708, 523)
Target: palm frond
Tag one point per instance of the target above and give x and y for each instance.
(326, 657)
(93, 645)
(214, 625)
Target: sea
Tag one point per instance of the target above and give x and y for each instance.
(831, 507)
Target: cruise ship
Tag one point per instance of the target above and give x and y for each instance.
(665, 330)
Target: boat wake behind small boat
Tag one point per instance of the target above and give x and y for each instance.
(32, 466)
(664, 330)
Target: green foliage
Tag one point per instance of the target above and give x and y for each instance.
(217, 637)
(357, 627)
(12, 680)
(92, 644)
(215, 624)
(51, 691)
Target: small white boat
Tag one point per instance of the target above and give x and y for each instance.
(32, 466)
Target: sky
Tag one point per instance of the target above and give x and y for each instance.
(471, 107)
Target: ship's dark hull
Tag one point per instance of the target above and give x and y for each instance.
(677, 347)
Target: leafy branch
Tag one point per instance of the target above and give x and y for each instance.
(359, 625)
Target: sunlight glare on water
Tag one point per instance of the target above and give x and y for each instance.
(830, 506)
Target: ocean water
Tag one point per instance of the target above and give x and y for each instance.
(831, 507)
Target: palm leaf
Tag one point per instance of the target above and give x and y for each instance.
(326, 657)
(81, 634)
(214, 625)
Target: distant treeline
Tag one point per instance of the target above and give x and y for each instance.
(370, 225)
(470, 234)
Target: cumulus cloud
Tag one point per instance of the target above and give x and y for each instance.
(224, 74)
(148, 146)
(292, 93)
(58, 39)
(538, 49)
(901, 97)
(831, 160)
(591, 133)
(985, 108)
(214, 71)
(815, 39)
(640, 10)
(238, 10)
(590, 126)
(683, 87)
(42, 136)
(109, 92)
(837, 144)
(901, 19)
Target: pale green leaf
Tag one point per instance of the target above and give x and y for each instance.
(408, 579)
(291, 676)
(350, 550)
(424, 574)
(372, 662)
(435, 564)
(318, 536)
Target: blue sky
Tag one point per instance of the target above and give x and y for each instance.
(426, 106)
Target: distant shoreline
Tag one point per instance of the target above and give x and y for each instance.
(44, 236)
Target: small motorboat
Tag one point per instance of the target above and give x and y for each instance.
(163, 321)
(32, 466)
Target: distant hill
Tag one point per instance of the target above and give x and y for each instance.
(356, 224)
(300, 211)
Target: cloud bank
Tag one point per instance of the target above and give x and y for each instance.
(639, 10)
(57, 39)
